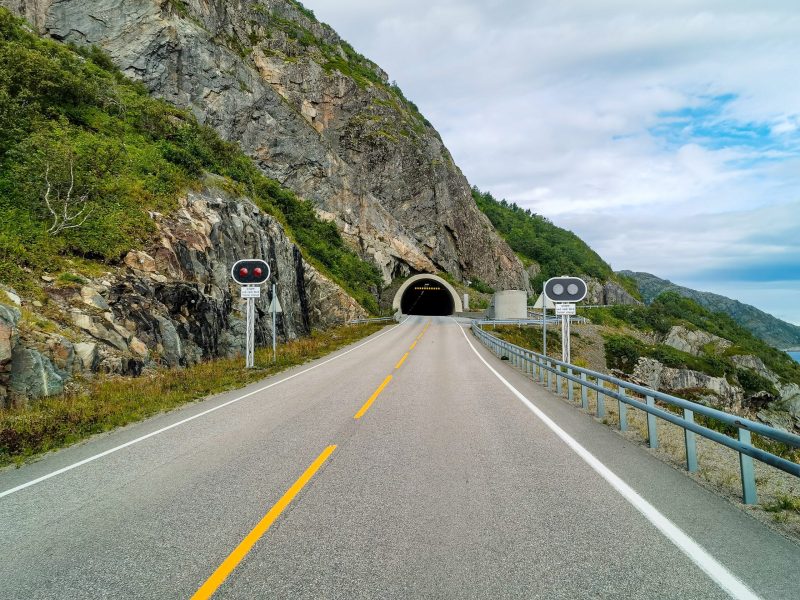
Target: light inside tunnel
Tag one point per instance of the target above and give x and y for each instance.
(427, 297)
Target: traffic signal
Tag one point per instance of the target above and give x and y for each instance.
(251, 271)
(565, 289)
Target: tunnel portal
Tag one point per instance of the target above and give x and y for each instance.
(427, 295)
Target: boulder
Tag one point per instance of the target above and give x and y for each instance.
(653, 374)
(32, 376)
(87, 357)
(92, 297)
(694, 341)
(748, 361)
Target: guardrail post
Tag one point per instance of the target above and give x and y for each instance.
(623, 410)
(584, 393)
(652, 432)
(558, 381)
(569, 384)
(549, 376)
(539, 370)
(601, 400)
(691, 444)
(746, 467)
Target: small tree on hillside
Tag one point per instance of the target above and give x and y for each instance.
(69, 209)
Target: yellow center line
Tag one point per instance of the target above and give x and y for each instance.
(402, 360)
(414, 344)
(217, 577)
(375, 394)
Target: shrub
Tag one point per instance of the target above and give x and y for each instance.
(622, 352)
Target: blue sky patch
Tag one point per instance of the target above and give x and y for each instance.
(708, 125)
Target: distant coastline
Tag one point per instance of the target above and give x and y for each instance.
(795, 354)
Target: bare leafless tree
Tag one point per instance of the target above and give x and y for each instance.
(68, 209)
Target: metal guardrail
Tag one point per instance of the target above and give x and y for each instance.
(551, 320)
(543, 369)
(372, 320)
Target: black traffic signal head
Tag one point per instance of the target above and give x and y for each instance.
(251, 271)
(565, 289)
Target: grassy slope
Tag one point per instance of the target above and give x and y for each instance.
(62, 109)
(536, 239)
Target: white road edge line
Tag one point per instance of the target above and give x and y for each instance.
(184, 421)
(696, 553)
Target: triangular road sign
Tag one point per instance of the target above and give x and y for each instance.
(275, 305)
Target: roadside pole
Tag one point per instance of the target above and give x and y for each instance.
(274, 320)
(565, 292)
(250, 274)
(274, 308)
(544, 323)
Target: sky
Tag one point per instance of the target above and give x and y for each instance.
(666, 135)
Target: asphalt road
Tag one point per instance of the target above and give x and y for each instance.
(446, 486)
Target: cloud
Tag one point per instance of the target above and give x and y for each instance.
(667, 135)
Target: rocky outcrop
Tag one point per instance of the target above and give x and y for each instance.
(316, 116)
(782, 412)
(172, 303)
(748, 361)
(607, 292)
(715, 391)
(695, 341)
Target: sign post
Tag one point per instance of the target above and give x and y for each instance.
(565, 292)
(250, 274)
(274, 308)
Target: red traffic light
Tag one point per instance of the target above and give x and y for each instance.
(250, 271)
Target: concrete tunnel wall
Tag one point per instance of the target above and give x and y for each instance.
(397, 303)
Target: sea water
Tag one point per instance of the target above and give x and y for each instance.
(795, 355)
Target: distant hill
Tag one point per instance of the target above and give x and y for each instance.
(550, 250)
(772, 330)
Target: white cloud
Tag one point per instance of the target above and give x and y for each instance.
(552, 104)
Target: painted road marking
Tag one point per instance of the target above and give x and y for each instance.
(229, 564)
(696, 553)
(413, 345)
(80, 463)
(372, 398)
(402, 360)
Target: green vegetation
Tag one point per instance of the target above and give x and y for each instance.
(480, 286)
(622, 353)
(670, 309)
(75, 133)
(531, 337)
(108, 403)
(784, 503)
(556, 250)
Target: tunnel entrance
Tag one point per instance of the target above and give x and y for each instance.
(427, 295)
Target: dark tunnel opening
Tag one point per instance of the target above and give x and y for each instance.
(427, 297)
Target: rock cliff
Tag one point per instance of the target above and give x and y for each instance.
(314, 114)
(172, 303)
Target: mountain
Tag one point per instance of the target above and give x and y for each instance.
(775, 332)
(550, 251)
(146, 144)
(313, 113)
(121, 218)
